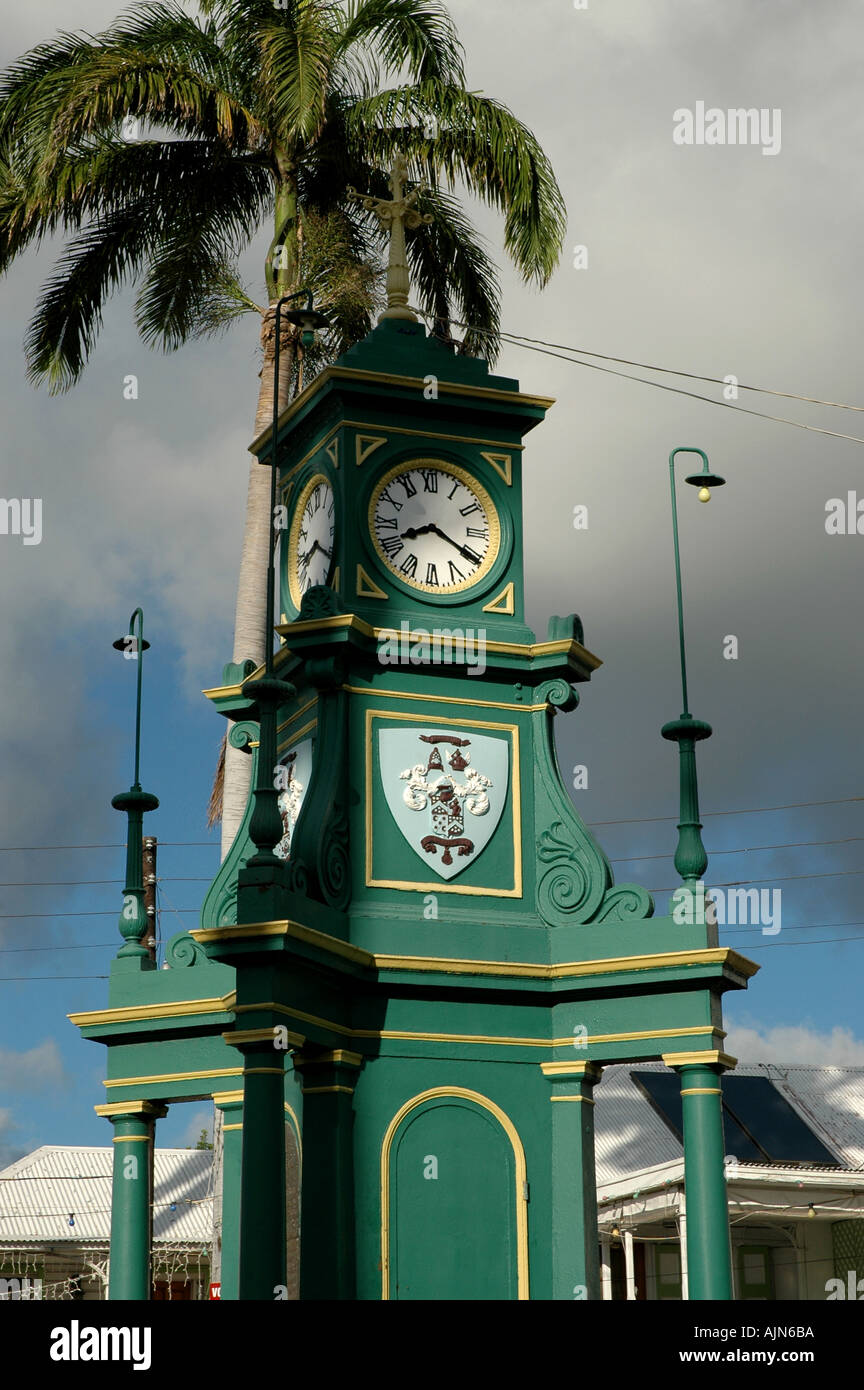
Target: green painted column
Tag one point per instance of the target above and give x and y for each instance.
(575, 1239)
(709, 1263)
(262, 1174)
(231, 1105)
(131, 1197)
(327, 1269)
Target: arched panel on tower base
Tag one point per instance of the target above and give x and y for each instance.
(454, 1222)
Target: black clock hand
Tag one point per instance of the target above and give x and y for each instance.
(305, 559)
(464, 550)
(414, 531)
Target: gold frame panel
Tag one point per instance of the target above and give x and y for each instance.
(515, 781)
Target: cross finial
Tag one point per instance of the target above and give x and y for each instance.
(398, 213)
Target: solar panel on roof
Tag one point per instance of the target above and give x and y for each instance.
(759, 1124)
(779, 1130)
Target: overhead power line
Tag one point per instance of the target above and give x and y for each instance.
(744, 811)
(745, 849)
(672, 371)
(638, 820)
(567, 354)
(163, 844)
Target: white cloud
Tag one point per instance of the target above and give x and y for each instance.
(796, 1043)
(23, 1071)
(198, 1120)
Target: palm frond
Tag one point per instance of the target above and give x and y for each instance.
(296, 59)
(454, 277)
(481, 143)
(68, 316)
(416, 37)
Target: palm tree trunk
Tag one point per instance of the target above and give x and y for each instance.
(250, 637)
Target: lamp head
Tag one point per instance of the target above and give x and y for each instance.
(309, 321)
(131, 643)
(705, 481)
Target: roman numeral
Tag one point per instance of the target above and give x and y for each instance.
(455, 574)
(470, 556)
(385, 497)
(316, 500)
(392, 546)
(409, 566)
(474, 531)
(431, 574)
(466, 511)
(456, 485)
(381, 521)
(410, 489)
(430, 481)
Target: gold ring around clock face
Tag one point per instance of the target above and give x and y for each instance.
(310, 539)
(434, 526)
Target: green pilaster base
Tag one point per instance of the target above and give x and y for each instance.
(131, 1197)
(709, 1264)
(575, 1240)
(262, 1184)
(329, 1078)
(231, 1105)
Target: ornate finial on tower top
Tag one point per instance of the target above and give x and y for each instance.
(398, 212)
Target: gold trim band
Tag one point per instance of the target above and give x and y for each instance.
(709, 1059)
(701, 1091)
(320, 1090)
(171, 1076)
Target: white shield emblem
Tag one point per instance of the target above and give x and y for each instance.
(445, 792)
(291, 780)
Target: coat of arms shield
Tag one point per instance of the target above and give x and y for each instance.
(446, 793)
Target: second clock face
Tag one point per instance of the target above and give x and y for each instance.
(434, 526)
(311, 541)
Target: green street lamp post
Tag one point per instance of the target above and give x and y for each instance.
(134, 923)
(691, 861)
(709, 1263)
(132, 1121)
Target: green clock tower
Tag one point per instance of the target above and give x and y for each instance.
(420, 982)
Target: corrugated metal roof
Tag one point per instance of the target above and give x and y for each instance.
(631, 1136)
(40, 1192)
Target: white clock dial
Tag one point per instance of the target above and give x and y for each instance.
(312, 534)
(434, 526)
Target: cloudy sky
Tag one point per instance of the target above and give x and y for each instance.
(711, 259)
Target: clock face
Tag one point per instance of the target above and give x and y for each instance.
(434, 526)
(310, 547)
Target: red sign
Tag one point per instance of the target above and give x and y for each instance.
(215, 1291)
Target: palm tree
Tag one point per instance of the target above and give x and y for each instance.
(258, 113)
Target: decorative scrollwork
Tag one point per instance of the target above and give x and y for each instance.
(334, 865)
(569, 629)
(242, 733)
(558, 693)
(298, 876)
(183, 950)
(320, 601)
(565, 887)
(626, 903)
